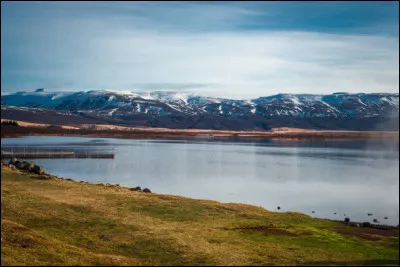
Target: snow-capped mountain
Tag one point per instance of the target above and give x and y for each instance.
(183, 110)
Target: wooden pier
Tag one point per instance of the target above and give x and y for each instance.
(29, 152)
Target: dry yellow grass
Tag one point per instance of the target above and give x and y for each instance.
(32, 124)
(60, 222)
(281, 132)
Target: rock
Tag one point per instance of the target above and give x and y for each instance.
(26, 166)
(37, 169)
(366, 224)
(13, 161)
(353, 224)
(31, 166)
(137, 188)
(146, 190)
(23, 166)
(17, 163)
(12, 167)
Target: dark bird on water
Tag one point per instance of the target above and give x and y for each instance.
(370, 214)
(386, 218)
(313, 212)
(334, 213)
(278, 208)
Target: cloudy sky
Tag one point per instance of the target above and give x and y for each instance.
(226, 49)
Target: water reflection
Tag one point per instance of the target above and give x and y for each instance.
(346, 177)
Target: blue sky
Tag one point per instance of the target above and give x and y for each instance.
(227, 49)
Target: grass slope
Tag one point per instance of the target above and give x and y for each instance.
(60, 222)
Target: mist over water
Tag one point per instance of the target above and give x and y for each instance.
(352, 177)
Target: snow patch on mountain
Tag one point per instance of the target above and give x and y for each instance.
(114, 103)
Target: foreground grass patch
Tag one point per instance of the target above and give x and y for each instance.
(58, 222)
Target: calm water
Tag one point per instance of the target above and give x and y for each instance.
(346, 177)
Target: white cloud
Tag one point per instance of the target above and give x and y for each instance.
(241, 65)
(94, 53)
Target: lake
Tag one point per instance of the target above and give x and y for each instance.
(352, 177)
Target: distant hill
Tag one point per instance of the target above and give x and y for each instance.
(339, 111)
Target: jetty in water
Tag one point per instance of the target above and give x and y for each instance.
(30, 152)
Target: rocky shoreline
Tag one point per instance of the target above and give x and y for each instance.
(33, 168)
(367, 225)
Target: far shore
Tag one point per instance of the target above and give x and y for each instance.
(283, 133)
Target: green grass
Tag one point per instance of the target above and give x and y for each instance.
(59, 222)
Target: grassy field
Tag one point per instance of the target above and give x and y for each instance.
(59, 222)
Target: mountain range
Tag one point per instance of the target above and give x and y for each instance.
(338, 111)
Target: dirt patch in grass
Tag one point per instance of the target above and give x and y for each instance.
(18, 235)
(268, 230)
(41, 177)
(368, 233)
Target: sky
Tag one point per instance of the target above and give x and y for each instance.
(220, 49)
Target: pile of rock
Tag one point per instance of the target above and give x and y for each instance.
(25, 166)
(137, 188)
(367, 224)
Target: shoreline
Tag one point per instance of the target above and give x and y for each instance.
(159, 133)
(53, 221)
(48, 176)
